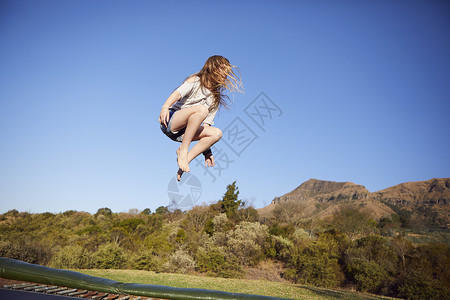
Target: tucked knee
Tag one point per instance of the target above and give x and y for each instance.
(202, 111)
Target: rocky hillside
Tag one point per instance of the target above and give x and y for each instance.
(428, 200)
(325, 191)
(320, 199)
(410, 195)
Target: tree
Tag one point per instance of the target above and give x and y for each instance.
(368, 275)
(352, 221)
(315, 264)
(290, 212)
(109, 256)
(146, 212)
(249, 214)
(402, 247)
(230, 202)
(248, 241)
(196, 218)
(162, 210)
(103, 211)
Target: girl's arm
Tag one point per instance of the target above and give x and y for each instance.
(164, 114)
(174, 97)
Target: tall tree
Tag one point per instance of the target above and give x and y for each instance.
(230, 201)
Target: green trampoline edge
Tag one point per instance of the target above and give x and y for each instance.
(19, 270)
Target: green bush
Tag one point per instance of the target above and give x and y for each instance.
(144, 260)
(72, 257)
(280, 248)
(91, 230)
(368, 275)
(314, 264)
(130, 224)
(247, 242)
(158, 243)
(417, 286)
(25, 249)
(215, 261)
(109, 256)
(180, 262)
(181, 236)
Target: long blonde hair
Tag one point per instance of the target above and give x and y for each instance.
(217, 75)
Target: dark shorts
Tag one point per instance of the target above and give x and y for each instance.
(167, 130)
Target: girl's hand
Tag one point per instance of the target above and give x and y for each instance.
(209, 161)
(164, 116)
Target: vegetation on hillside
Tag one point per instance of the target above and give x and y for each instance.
(228, 239)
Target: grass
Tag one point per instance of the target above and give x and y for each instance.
(257, 287)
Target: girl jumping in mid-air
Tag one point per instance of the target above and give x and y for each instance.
(188, 113)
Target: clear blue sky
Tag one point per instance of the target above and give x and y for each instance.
(363, 88)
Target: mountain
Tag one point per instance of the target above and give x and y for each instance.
(429, 200)
(320, 199)
(326, 191)
(410, 195)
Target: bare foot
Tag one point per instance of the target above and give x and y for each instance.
(182, 159)
(179, 173)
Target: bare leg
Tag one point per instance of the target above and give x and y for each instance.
(206, 136)
(191, 118)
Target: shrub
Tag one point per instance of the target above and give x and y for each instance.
(314, 264)
(215, 261)
(279, 248)
(417, 286)
(105, 211)
(247, 242)
(72, 257)
(181, 236)
(146, 212)
(131, 224)
(144, 260)
(196, 218)
(300, 234)
(220, 222)
(90, 230)
(26, 250)
(248, 214)
(159, 243)
(109, 256)
(368, 275)
(180, 262)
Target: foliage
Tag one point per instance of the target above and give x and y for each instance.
(25, 249)
(146, 212)
(367, 274)
(404, 216)
(216, 261)
(103, 211)
(316, 263)
(230, 202)
(248, 214)
(72, 257)
(227, 239)
(162, 210)
(353, 222)
(109, 256)
(281, 230)
(280, 248)
(247, 242)
(145, 260)
(180, 262)
(290, 212)
(313, 265)
(417, 286)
